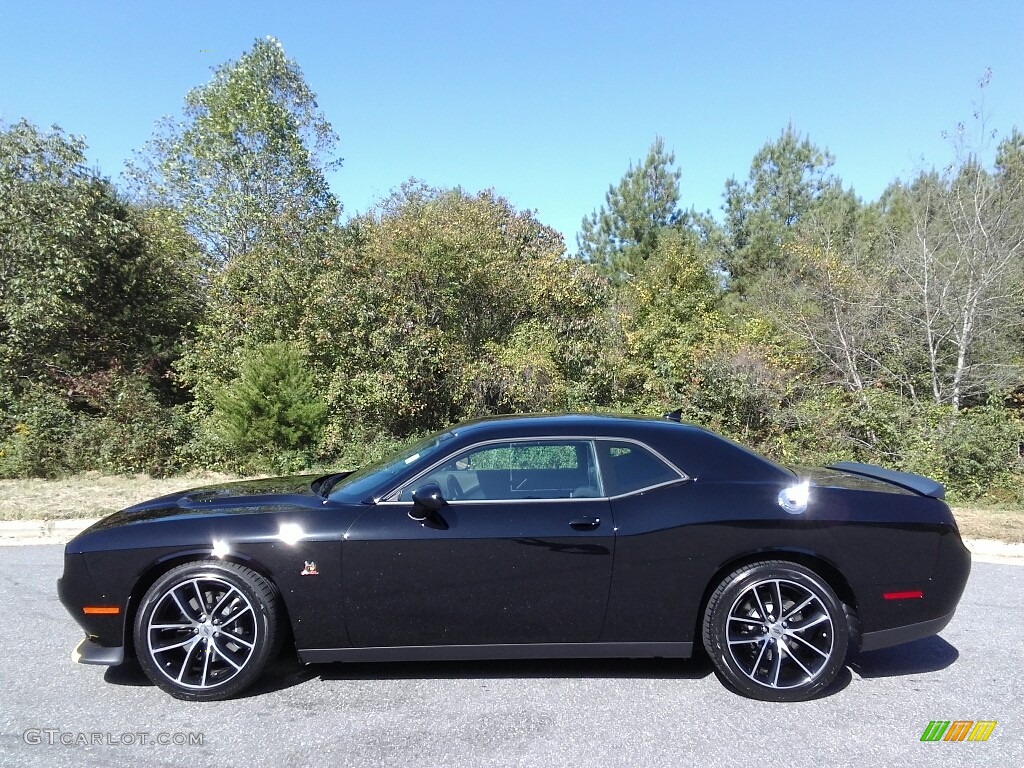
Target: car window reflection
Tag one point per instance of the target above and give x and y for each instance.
(517, 470)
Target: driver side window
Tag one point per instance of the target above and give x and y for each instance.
(517, 470)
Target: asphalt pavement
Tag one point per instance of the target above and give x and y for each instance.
(539, 713)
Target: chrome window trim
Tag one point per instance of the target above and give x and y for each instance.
(384, 500)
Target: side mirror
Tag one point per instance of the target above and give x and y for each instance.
(427, 501)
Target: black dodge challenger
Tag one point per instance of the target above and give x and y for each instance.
(525, 537)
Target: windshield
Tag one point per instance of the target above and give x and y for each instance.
(362, 483)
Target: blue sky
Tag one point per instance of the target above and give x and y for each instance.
(546, 102)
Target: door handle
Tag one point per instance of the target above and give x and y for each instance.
(585, 523)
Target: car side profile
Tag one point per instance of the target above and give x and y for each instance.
(544, 536)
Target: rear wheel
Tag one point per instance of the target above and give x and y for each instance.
(776, 631)
(205, 630)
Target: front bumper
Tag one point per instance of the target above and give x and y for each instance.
(89, 652)
(105, 635)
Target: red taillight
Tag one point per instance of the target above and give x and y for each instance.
(101, 610)
(912, 594)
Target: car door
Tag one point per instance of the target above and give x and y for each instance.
(521, 552)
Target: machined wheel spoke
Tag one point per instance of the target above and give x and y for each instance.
(171, 626)
(748, 640)
(184, 612)
(223, 600)
(206, 665)
(798, 608)
(778, 601)
(172, 646)
(813, 647)
(777, 665)
(757, 661)
(185, 661)
(760, 605)
(234, 617)
(236, 639)
(747, 620)
(808, 625)
(797, 661)
(224, 656)
(199, 596)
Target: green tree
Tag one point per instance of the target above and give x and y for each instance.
(271, 415)
(245, 170)
(624, 232)
(245, 166)
(838, 297)
(87, 282)
(97, 298)
(442, 304)
(671, 309)
(788, 178)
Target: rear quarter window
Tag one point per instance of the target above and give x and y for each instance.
(628, 467)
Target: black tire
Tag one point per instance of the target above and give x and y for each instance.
(205, 630)
(770, 656)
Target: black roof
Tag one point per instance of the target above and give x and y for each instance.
(579, 423)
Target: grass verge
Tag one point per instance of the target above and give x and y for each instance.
(90, 494)
(991, 523)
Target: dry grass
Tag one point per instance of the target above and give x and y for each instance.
(991, 523)
(95, 495)
(89, 495)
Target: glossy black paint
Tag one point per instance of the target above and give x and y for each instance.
(625, 575)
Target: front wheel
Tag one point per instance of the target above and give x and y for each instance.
(205, 630)
(776, 631)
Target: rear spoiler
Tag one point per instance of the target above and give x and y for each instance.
(917, 483)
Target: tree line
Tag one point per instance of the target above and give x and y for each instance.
(218, 311)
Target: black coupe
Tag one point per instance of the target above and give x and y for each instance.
(525, 537)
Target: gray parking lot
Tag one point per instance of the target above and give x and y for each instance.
(545, 713)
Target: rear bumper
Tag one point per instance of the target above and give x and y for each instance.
(884, 638)
(89, 652)
(892, 622)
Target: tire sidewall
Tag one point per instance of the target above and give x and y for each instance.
(239, 577)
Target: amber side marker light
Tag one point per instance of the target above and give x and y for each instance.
(913, 594)
(101, 610)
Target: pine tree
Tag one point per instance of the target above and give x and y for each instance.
(623, 234)
(788, 179)
(271, 409)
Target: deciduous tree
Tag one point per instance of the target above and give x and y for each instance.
(245, 164)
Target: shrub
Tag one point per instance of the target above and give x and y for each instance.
(35, 430)
(126, 429)
(270, 416)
